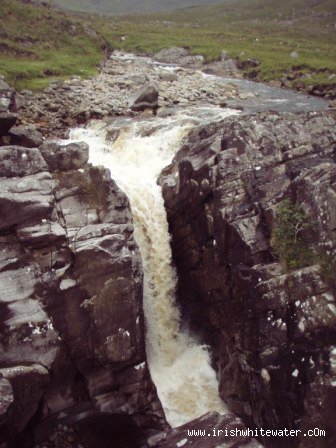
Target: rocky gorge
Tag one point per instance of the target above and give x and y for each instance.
(73, 366)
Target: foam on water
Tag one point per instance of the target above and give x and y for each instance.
(180, 368)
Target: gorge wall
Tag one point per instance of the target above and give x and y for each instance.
(72, 345)
(272, 332)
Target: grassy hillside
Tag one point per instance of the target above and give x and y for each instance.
(289, 36)
(38, 44)
(117, 7)
(292, 39)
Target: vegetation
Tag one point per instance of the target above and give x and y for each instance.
(39, 43)
(293, 35)
(287, 238)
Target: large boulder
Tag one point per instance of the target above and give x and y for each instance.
(67, 157)
(178, 56)
(171, 55)
(271, 331)
(144, 98)
(27, 136)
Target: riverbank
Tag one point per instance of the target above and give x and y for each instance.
(72, 102)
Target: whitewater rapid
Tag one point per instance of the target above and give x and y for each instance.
(136, 151)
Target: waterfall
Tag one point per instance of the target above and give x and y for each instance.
(136, 151)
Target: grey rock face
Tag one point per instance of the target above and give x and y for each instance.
(71, 319)
(144, 98)
(272, 332)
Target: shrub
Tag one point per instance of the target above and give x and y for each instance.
(287, 237)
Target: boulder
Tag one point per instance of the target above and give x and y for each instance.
(144, 98)
(16, 161)
(27, 136)
(65, 157)
(179, 56)
(171, 55)
(227, 67)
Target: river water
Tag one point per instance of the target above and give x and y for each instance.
(136, 151)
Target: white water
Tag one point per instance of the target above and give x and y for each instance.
(186, 383)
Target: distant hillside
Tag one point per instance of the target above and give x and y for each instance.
(38, 44)
(292, 41)
(118, 7)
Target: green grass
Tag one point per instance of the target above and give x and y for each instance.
(40, 44)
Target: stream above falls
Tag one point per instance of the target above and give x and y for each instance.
(256, 96)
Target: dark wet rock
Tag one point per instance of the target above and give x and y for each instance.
(27, 136)
(248, 63)
(271, 332)
(72, 326)
(27, 385)
(218, 431)
(144, 98)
